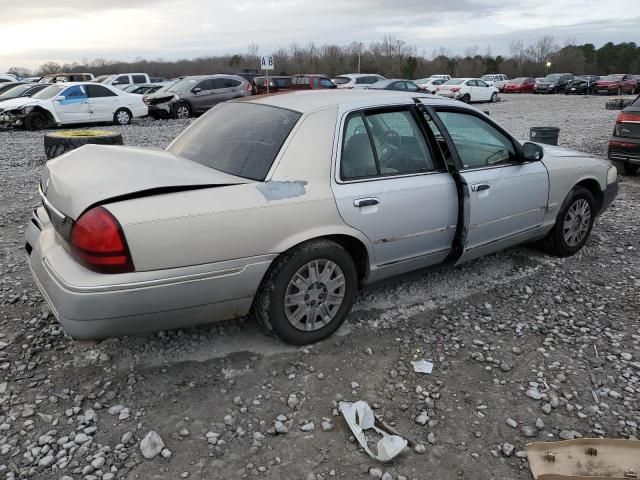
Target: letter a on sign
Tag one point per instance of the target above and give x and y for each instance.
(266, 62)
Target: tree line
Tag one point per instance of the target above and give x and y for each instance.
(390, 57)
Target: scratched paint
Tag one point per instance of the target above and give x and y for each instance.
(281, 190)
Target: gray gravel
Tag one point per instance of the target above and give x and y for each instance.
(525, 347)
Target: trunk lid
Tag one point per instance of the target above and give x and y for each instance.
(95, 174)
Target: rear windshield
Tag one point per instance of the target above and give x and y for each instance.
(613, 77)
(519, 80)
(341, 80)
(15, 91)
(238, 138)
(454, 81)
(487, 77)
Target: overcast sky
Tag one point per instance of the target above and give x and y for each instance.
(36, 31)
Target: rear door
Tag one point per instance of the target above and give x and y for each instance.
(391, 184)
(507, 199)
(74, 108)
(103, 103)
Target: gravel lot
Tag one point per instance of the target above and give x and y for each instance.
(525, 347)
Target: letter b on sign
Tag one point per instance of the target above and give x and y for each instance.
(266, 63)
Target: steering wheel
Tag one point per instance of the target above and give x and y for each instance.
(391, 143)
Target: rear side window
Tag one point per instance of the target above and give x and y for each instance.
(139, 78)
(300, 80)
(362, 80)
(237, 138)
(384, 143)
(96, 91)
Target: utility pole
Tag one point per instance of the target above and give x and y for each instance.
(358, 62)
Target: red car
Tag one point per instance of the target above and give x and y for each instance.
(617, 84)
(520, 85)
(310, 82)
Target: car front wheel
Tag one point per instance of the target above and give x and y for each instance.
(308, 292)
(494, 97)
(573, 224)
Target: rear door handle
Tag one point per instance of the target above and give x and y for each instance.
(365, 202)
(478, 187)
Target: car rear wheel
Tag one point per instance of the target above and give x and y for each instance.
(573, 224)
(466, 98)
(182, 111)
(122, 117)
(36, 121)
(308, 292)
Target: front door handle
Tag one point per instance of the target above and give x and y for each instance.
(365, 202)
(478, 187)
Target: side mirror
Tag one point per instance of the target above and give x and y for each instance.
(59, 98)
(196, 90)
(532, 152)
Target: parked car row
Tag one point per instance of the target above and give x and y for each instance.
(615, 84)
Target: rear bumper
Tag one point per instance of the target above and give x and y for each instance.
(93, 305)
(624, 149)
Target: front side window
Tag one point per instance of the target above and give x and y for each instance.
(480, 83)
(121, 80)
(209, 84)
(479, 144)
(241, 139)
(74, 94)
(383, 143)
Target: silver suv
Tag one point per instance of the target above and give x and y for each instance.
(357, 80)
(195, 95)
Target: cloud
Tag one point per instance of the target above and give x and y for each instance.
(72, 30)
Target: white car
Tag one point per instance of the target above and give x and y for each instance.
(498, 80)
(446, 77)
(430, 84)
(468, 90)
(70, 103)
(124, 79)
(356, 80)
(8, 77)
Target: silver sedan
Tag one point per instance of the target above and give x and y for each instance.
(285, 205)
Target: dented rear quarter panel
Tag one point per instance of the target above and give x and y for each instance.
(293, 205)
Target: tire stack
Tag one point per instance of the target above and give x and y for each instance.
(57, 143)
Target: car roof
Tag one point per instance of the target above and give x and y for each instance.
(307, 101)
(358, 75)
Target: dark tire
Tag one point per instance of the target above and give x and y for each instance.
(36, 121)
(625, 168)
(269, 303)
(122, 116)
(466, 98)
(182, 110)
(57, 143)
(494, 98)
(556, 242)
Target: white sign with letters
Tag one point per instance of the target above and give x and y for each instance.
(266, 63)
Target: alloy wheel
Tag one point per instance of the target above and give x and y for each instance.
(576, 222)
(314, 295)
(122, 117)
(182, 112)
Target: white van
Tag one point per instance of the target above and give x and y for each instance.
(123, 80)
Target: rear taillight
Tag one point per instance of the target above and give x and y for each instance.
(628, 117)
(97, 241)
(455, 89)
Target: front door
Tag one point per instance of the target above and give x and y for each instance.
(392, 186)
(507, 198)
(74, 108)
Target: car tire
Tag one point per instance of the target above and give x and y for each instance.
(466, 98)
(560, 240)
(269, 303)
(494, 98)
(181, 111)
(57, 143)
(122, 117)
(625, 168)
(35, 121)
